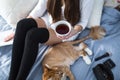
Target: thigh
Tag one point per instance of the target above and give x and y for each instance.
(53, 39)
(44, 21)
(40, 23)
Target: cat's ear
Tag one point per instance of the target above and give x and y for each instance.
(47, 66)
(52, 68)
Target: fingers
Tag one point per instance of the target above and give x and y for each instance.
(71, 34)
(9, 37)
(64, 37)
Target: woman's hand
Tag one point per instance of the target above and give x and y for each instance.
(9, 37)
(74, 30)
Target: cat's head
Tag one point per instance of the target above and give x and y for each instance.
(52, 73)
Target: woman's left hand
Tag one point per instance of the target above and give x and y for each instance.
(73, 32)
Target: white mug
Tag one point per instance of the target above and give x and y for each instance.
(61, 28)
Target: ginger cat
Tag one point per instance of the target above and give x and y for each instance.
(56, 63)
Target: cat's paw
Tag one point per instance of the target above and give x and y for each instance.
(87, 59)
(89, 52)
(83, 46)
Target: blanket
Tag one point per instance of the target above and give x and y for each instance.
(110, 43)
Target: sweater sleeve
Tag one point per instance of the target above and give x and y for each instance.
(86, 7)
(40, 9)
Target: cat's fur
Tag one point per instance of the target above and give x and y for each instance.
(56, 63)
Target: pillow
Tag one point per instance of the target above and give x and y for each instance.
(14, 10)
(95, 17)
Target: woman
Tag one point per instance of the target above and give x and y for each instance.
(36, 29)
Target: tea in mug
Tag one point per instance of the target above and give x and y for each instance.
(62, 29)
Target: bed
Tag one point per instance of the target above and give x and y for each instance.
(110, 43)
(110, 20)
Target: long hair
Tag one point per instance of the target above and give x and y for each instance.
(72, 12)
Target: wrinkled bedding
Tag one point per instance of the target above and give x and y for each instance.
(110, 43)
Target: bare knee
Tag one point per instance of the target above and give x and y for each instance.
(53, 39)
(40, 23)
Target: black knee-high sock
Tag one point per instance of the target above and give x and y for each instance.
(33, 38)
(23, 27)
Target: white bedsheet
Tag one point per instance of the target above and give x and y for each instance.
(4, 34)
(5, 30)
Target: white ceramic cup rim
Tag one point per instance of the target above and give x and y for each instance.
(54, 26)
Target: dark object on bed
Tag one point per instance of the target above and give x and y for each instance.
(103, 56)
(103, 71)
(118, 7)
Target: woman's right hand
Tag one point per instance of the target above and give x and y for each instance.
(9, 37)
(72, 33)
